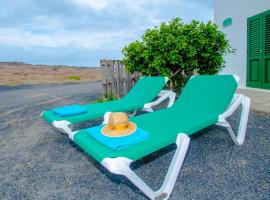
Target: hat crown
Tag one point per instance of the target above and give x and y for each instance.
(118, 125)
(118, 118)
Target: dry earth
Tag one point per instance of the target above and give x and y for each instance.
(17, 73)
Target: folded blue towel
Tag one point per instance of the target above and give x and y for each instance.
(118, 143)
(69, 110)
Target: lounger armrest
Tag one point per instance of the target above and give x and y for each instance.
(163, 95)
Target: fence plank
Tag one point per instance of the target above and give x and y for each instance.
(115, 79)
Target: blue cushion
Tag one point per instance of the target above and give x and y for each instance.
(117, 143)
(69, 110)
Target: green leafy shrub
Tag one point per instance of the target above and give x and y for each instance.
(110, 96)
(74, 77)
(107, 97)
(177, 50)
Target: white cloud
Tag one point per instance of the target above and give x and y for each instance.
(95, 4)
(45, 23)
(85, 40)
(88, 25)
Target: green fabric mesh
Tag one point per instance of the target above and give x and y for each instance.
(144, 91)
(203, 99)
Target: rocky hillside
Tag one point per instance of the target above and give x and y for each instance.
(18, 73)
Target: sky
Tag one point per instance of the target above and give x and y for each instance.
(81, 32)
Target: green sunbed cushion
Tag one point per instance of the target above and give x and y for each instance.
(203, 99)
(117, 143)
(144, 91)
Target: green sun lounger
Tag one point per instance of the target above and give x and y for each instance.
(139, 97)
(206, 100)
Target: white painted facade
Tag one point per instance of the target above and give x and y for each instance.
(239, 11)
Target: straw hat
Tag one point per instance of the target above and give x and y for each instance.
(118, 125)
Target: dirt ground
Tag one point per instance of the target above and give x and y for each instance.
(16, 73)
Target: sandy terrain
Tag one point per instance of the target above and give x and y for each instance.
(16, 73)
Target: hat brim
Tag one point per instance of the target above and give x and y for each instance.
(119, 133)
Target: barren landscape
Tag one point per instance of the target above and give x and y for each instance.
(18, 73)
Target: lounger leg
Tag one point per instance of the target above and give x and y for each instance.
(132, 114)
(163, 95)
(171, 97)
(63, 126)
(240, 137)
(121, 166)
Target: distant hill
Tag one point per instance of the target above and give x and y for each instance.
(18, 73)
(37, 65)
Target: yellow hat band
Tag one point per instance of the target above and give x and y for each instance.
(119, 127)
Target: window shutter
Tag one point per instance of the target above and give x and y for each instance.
(255, 37)
(267, 35)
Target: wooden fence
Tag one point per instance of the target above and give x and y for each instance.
(115, 79)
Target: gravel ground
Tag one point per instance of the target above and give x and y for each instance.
(37, 162)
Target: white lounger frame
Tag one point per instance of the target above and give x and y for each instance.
(121, 165)
(238, 99)
(162, 96)
(63, 125)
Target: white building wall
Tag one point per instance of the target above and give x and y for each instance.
(239, 11)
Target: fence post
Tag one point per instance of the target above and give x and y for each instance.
(107, 76)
